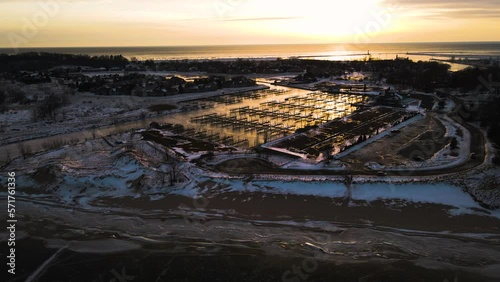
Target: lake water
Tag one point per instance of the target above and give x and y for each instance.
(322, 51)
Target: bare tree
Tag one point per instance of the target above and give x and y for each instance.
(174, 171)
(8, 158)
(24, 149)
(171, 170)
(129, 144)
(68, 91)
(17, 96)
(2, 97)
(50, 105)
(348, 183)
(327, 153)
(3, 106)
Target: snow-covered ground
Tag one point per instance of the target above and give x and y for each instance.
(89, 111)
(92, 170)
(446, 157)
(483, 184)
(439, 193)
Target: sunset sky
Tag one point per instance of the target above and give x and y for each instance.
(62, 23)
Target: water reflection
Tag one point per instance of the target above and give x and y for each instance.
(280, 107)
(257, 121)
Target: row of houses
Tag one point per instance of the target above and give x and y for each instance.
(150, 85)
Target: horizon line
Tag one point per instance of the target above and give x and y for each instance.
(253, 44)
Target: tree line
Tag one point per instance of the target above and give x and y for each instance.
(40, 61)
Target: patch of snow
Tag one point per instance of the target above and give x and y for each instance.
(285, 151)
(14, 117)
(374, 166)
(333, 165)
